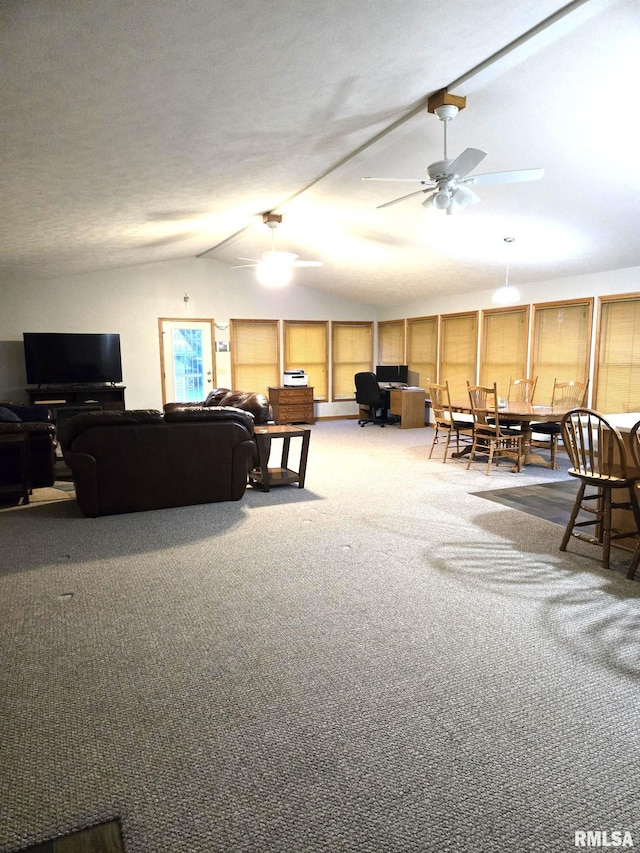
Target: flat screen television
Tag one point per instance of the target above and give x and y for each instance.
(392, 373)
(70, 358)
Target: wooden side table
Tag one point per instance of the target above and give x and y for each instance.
(264, 477)
(18, 442)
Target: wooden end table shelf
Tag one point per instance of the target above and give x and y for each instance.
(264, 477)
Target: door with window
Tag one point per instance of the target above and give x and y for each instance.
(186, 359)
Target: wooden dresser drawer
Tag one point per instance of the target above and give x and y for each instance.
(296, 395)
(294, 413)
(292, 405)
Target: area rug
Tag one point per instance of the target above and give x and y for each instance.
(551, 501)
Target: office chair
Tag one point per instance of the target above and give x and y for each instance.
(369, 396)
(599, 461)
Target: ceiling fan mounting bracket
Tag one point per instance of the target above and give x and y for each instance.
(444, 99)
(272, 219)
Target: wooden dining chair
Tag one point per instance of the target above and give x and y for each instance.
(445, 420)
(599, 460)
(634, 444)
(522, 390)
(489, 436)
(567, 395)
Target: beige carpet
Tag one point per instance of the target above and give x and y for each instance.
(381, 662)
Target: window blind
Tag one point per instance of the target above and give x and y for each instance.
(618, 367)
(391, 342)
(305, 347)
(561, 345)
(422, 348)
(458, 357)
(254, 355)
(503, 347)
(352, 352)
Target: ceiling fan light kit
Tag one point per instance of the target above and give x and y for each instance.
(276, 268)
(449, 182)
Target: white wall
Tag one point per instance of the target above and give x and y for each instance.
(596, 284)
(130, 301)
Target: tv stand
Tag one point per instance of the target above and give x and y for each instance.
(79, 397)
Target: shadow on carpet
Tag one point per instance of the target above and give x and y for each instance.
(551, 501)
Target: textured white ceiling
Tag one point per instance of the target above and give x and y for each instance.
(137, 131)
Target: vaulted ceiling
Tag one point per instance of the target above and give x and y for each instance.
(148, 130)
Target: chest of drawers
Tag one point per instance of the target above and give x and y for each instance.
(292, 405)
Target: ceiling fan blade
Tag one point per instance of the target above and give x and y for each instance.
(242, 266)
(253, 260)
(402, 198)
(401, 180)
(504, 177)
(466, 161)
(307, 264)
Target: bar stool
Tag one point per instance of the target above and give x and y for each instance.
(599, 460)
(634, 443)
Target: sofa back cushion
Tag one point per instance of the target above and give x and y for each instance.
(75, 426)
(186, 414)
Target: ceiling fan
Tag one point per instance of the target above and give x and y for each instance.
(448, 186)
(275, 268)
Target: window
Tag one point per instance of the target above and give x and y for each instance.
(458, 356)
(391, 342)
(305, 347)
(255, 360)
(503, 348)
(561, 344)
(352, 347)
(422, 348)
(618, 363)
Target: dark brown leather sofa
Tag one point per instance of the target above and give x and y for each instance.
(249, 401)
(139, 460)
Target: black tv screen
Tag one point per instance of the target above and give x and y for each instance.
(66, 358)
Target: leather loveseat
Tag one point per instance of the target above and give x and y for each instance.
(141, 459)
(36, 422)
(249, 401)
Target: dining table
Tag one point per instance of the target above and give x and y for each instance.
(524, 414)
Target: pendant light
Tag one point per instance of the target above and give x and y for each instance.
(507, 294)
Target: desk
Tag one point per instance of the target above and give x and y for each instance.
(409, 404)
(265, 477)
(524, 414)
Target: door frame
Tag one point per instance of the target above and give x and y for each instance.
(186, 321)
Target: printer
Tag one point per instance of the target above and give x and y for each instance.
(295, 378)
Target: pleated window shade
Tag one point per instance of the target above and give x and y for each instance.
(561, 346)
(422, 348)
(391, 342)
(618, 368)
(305, 347)
(254, 355)
(352, 353)
(458, 358)
(503, 347)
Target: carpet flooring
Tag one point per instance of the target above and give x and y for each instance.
(381, 662)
